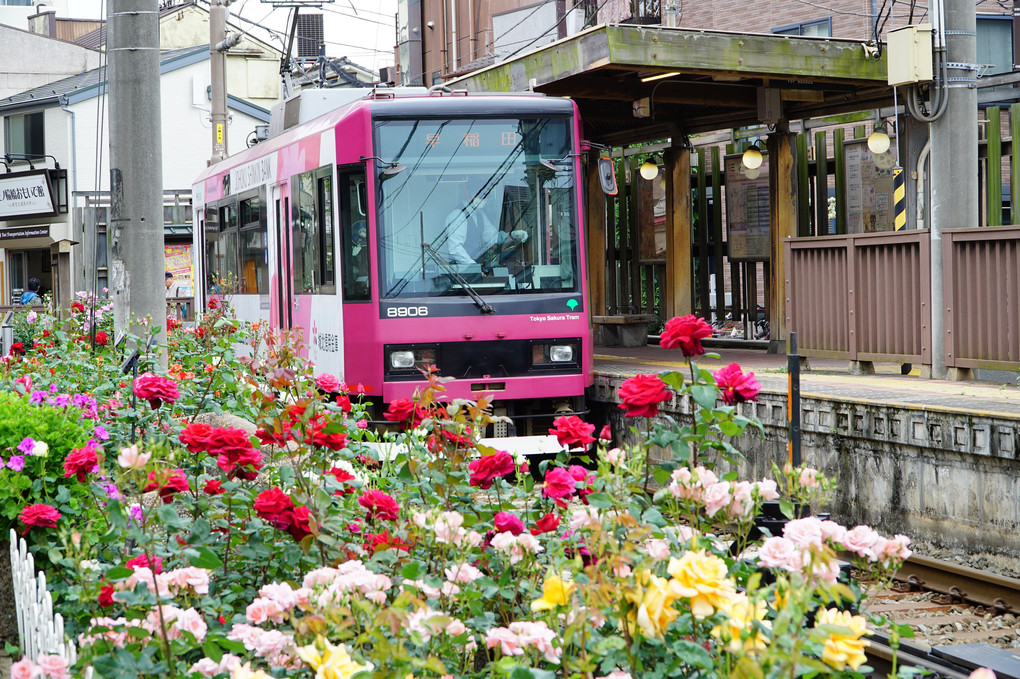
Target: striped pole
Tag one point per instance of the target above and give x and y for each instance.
(899, 198)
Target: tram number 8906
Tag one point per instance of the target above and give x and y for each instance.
(407, 311)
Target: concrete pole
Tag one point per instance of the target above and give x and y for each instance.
(136, 170)
(954, 163)
(218, 77)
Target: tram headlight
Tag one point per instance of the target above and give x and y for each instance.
(401, 360)
(548, 354)
(408, 359)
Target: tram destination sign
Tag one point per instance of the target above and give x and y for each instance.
(26, 194)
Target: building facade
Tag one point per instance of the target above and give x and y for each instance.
(59, 235)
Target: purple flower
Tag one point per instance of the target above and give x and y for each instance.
(111, 491)
(60, 401)
(16, 463)
(27, 445)
(53, 388)
(101, 433)
(136, 513)
(37, 397)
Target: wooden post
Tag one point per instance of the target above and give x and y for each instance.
(782, 224)
(993, 165)
(718, 251)
(596, 233)
(678, 232)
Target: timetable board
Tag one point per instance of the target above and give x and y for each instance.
(747, 211)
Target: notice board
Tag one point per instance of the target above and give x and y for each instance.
(747, 211)
(869, 188)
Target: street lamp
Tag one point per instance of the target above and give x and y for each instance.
(752, 158)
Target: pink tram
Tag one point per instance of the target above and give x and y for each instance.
(410, 227)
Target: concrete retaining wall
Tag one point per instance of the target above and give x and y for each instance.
(949, 478)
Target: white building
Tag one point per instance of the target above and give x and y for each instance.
(53, 220)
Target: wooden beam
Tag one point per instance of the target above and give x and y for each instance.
(782, 225)
(596, 234)
(678, 293)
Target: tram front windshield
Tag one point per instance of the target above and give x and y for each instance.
(484, 204)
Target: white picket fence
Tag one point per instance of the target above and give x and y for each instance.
(41, 630)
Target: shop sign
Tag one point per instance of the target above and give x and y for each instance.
(37, 231)
(26, 194)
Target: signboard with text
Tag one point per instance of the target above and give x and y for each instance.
(747, 211)
(26, 194)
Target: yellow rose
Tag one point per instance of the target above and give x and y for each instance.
(555, 592)
(843, 648)
(703, 579)
(332, 662)
(245, 672)
(741, 632)
(654, 605)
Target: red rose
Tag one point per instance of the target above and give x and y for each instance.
(584, 477)
(641, 395)
(487, 468)
(606, 434)
(106, 596)
(344, 401)
(377, 542)
(336, 440)
(245, 466)
(213, 487)
(172, 324)
(155, 389)
(505, 522)
(142, 561)
(17, 348)
(195, 437)
(38, 516)
(272, 438)
(736, 387)
(274, 506)
(342, 477)
(167, 483)
(685, 332)
(80, 462)
(77, 307)
(559, 484)
(101, 338)
(299, 525)
(228, 441)
(214, 303)
(572, 431)
(405, 410)
(546, 524)
(379, 505)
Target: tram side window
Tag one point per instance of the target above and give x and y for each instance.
(354, 236)
(312, 233)
(254, 274)
(221, 249)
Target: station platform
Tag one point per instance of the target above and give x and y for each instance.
(828, 379)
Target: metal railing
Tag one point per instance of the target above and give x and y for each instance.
(982, 272)
(863, 297)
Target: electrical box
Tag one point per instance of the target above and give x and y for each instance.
(909, 55)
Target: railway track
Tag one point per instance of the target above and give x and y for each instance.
(962, 619)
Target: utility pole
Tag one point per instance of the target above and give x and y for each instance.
(136, 170)
(219, 43)
(954, 158)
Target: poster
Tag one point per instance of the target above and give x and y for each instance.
(180, 264)
(869, 188)
(747, 211)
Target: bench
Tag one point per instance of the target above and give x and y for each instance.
(622, 330)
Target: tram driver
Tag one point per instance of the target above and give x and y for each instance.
(473, 237)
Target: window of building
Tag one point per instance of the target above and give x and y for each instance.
(995, 43)
(314, 265)
(821, 28)
(254, 251)
(354, 235)
(23, 134)
(16, 3)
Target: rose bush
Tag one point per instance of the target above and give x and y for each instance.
(312, 549)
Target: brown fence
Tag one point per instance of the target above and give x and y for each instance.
(863, 297)
(981, 268)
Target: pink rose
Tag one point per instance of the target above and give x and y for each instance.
(508, 642)
(805, 532)
(24, 669)
(191, 621)
(52, 665)
(716, 497)
(657, 549)
(809, 477)
(327, 383)
(979, 673)
(767, 490)
(777, 552)
(463, 573)
(207, 667)
(505, 522)
(456, 628)
(833, 531)
(263, 609)
(860, 541)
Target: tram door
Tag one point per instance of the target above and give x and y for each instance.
(281, 311)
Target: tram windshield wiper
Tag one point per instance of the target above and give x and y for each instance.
(445, 265)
